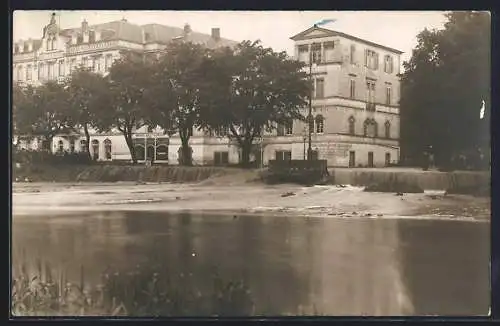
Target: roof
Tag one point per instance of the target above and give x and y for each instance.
(149, 33)
(328, 32)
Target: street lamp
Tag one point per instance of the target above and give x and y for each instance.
(309, 116)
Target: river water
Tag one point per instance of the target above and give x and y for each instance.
(338, 266)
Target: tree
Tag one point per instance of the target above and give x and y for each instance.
(443, 86)
(127, 82)
(41, 111)
(88, 99)
(257, 89)
(175, 94)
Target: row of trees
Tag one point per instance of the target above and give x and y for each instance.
(443, 87)
(245, 90)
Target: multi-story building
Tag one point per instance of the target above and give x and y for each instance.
(60, 51)
(355, 98)
(355, 103)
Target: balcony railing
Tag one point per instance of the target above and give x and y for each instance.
(370, 106)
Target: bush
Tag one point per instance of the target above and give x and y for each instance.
(42, 157)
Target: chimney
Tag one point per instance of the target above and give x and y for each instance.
(30, 45)
(187, 29)
(85, 26)
(216, 33)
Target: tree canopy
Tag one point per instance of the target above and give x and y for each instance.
(443, 86)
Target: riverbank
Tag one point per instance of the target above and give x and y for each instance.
(458, 182)
(252, 198)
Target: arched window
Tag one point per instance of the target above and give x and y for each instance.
(95, 149)
(352, 126)
(387, 129)
(289, 127)
(319, 124)
(107, 149)
(60, 146)
(370, 128)
(83, 145)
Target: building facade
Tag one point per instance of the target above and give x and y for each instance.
(355, 102)
(60, 51)
(355, 99)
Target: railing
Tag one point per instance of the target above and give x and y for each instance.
(370, 106)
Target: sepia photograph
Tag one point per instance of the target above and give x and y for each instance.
(250, 163)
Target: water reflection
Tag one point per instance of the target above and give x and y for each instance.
(292, 265)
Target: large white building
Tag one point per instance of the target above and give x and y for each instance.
(355, 101)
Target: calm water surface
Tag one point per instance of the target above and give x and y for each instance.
(339, 266)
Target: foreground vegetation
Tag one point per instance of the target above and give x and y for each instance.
(139, 292)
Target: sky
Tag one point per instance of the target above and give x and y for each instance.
(395, 29)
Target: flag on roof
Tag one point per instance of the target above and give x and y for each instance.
(481, 113)
(325, 21)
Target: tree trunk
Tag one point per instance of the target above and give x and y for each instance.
(187, 159)
(246, 148)
(130, 145)
(87, 138)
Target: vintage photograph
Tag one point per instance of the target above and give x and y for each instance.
(250, 163)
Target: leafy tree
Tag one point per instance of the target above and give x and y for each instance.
(257, 88)
(41, 111)
(127, 82)
(175, 94)
(443, 86)
(88, 100)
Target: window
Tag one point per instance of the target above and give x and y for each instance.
(280, 131)
(303, 53)
(352, 86)
(79, 39)
(370, 128)
(72, 146)
(388, 95)
(353, 53)
(352, 126)
(91, 36)
(83, 146)
(60, 146)
(95, 149)
(370, 159)
(283, 155)
(319, 124)
(316, 53)
(387, 129)
(370, 91)
(29, 72)
(50, 73)
(48, 43)
(53, 44)
(371, 59)
(388, 64)
(387, 159)
(16, 49)
(221, 158)
(329, 48)
(61, 68)
(320, 88)
(107, 149)
(221, 132)
(107, 62)
(25, 48)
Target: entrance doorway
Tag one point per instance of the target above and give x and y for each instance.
(370, 159)
(352, 159)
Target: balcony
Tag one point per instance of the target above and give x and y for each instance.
(370, 107)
